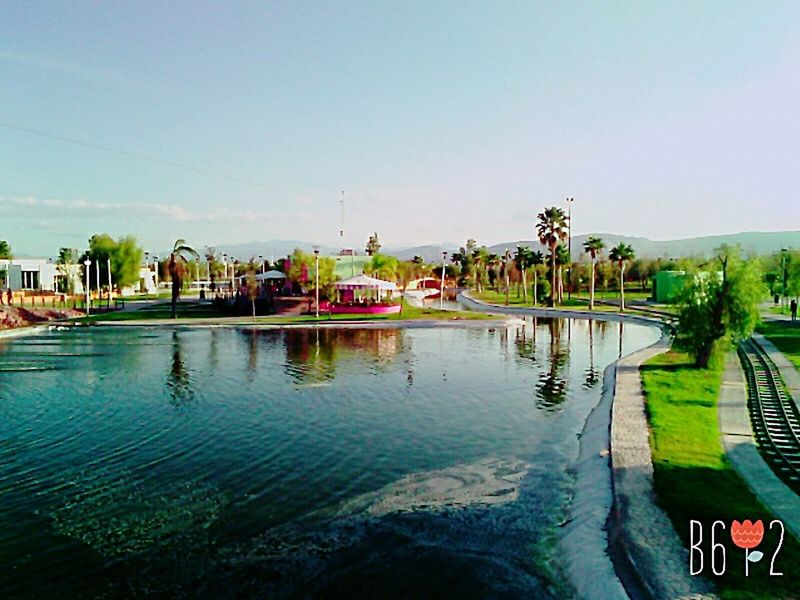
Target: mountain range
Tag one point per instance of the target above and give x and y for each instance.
(751, 242)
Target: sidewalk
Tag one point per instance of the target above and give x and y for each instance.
(741, 449)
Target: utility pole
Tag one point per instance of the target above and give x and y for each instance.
(316, 273)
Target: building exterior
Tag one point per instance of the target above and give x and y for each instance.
(20, 274)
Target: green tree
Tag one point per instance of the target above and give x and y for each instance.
(406, 271)
(125, 257)
(562, 260)
(524, 261)
(719, 308)
(594, 247)
(373, 245)
(621, 254)
(5, 250)
(551, 230)
(67, 266)
(177, 266)
(537, 259)
(252, 286)
(301, 271)
(382, 266)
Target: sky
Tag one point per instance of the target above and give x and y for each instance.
(239, 121)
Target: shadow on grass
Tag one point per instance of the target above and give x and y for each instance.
(708, 495)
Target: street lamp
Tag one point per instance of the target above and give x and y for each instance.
(108, 264)
(441, 290)
(261, 260)
(316, 273)
(569, 246)
(87, 264)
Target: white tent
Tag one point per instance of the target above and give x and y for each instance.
(270, 275)
(365, 281)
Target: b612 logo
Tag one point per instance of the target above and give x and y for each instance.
(746, 535)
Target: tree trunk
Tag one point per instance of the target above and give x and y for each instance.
(622, 287)
(535, 285)
(176, 291)
(553, 289)
(591, 288)
(524, 287)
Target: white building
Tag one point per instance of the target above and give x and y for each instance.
(29, 274)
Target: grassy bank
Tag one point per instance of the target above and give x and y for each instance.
(188, 311)
(694, 480)
(609, 303)
(786, 336)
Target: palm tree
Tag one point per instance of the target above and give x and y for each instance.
(562, 259)
(177, 265)
(551, 230)
(524, 258)
(537, 258)
(620, 254)
(594, 246)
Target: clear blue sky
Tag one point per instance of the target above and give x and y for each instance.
(440, 120)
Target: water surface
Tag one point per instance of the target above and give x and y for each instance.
(265, 463)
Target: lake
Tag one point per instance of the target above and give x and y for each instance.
(243, 463)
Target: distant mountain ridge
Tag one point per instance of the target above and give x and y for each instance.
(758, 242)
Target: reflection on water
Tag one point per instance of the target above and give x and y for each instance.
(302, 462)
(179, 380)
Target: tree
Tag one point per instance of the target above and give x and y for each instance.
(382, 266)
(299, 269)
(67, 266)
(621, 254)
(551, 229)
(537, 258)
(593, 246)
(719, 309)
(5, 250)
(252, 286)
(124, 255)
(524, 260)
(406, 271)
(373, 245)
(562, 259)
(177, 265)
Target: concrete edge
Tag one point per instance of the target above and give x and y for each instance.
(742, 451)
(642, 536)
(559, 313)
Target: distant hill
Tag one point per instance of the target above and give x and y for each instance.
(751, 242)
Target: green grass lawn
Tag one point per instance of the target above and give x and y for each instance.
(786, 336)
(694, 480)
(578, 301)
(194, 310)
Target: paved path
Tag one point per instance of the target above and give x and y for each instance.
(641, 529)
(740, 446)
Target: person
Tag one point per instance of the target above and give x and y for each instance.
(9, 297)
(793, 309)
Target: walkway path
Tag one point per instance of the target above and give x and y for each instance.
(740, 446)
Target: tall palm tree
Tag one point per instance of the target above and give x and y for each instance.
(594, 246)
(177, 266)
(562, 260)
(537, 258)
(621, 254)
(551, 229)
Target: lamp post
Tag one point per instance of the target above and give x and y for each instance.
(147, 264)
(441, 290)
(316, 276)
(97, 276)
(108, 264)
(87, 264)
(261, 260)
(233, 274)
(569, 246)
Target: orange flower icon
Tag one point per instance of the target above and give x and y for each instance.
(747, 535)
